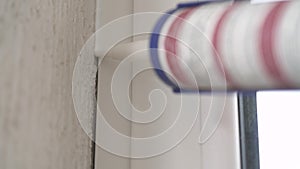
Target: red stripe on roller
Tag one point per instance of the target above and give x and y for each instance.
(215, 42)
(267, 40)
(171, 45)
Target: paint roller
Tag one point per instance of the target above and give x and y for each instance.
(228, 46)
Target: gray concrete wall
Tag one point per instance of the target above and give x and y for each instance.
(39, 44)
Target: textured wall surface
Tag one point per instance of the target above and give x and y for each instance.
(39, 43)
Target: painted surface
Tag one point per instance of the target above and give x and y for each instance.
(39, 44)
